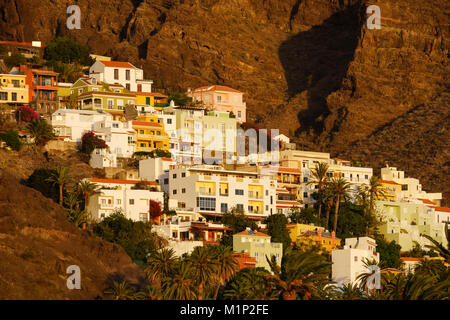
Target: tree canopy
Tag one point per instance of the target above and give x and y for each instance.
(67, 50)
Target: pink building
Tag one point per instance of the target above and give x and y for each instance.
(221, 98)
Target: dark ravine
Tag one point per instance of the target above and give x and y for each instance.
(310, 67)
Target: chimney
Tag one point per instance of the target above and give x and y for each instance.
(333, 238)
(319, 234)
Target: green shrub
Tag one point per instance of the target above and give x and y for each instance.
(12, 139)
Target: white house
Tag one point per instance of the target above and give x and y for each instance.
(115, 194)
(119, 136)
(212, 190)
(70, 124)
(156, 169)
(348, 263)
(123, 73)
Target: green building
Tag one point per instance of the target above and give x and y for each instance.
(258, 246)
(405, 221)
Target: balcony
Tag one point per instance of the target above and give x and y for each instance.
(151, 136)
(254, 195)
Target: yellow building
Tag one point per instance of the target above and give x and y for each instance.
(13, 89)
(304, 234)
(150, 134)
(391, 190)
(154, 99)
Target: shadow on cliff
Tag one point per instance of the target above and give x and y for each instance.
(317, 61)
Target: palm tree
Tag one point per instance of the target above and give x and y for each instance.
(86, 189)
(41, 130)
(340, 189)
(375, 191)
(439, 247)
(179, 286)
(328, 198)
(161, 264)
(120, 291)
(364, 277)
(249, 284)
(319, 178)
(351, 291)
(226, 265)
(61, 177)
(78, 217)
(71, 200)
(298, 273)
(204, 268)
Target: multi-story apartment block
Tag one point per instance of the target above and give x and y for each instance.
(410, 187)
(150, 133)
(286, 201)
(357, 176)
(126, 195)
(348, 263)
(155, 100)
(123, 73)
(119, 136)
(189, 133)
(13, 89)
(221, 98)
(93, 95)
(258, 246)
(42, 89)
(306, 161)
(218, 137)
(71, 124)
(212, 190)
(405, 221)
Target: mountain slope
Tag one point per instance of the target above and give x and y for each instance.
(308, 67)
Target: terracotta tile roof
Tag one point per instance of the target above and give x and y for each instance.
(283, 169)
(48, 72)
(120, 181)
(17, 43)
(427, 201)
(166, 159)
(146, 123)
(443, 209)
(118, 64)
(210, 228)
(154, 94)
(216, 88)
(389, 182)
(410, 259)
(254, 233)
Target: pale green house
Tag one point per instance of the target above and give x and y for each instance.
(111, 98)
(258, 246)
(405, 221)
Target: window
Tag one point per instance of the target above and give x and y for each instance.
(13, 96)
(143, 217)
(115, 125)
(404, 187)
(3, 95)
(110, 103)
(207, 204)
(127, 86)
(174, 176)
(131, 201)
(356, 258)
(239, 114)
(219, 99)
(119, 201)
(267, 192)
(127, 74)
(183, 190)
(223, 207)
(240, 207)
(166, 181)
(305, 179)
(239, 192)
(183, 174)
(305, 194)
(366, 176)
(174, 191)
(116, 74)
(329, 174)
(147, 100)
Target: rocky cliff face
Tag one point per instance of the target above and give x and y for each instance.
(308, 67)
(38, 244)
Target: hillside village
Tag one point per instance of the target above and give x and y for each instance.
(189, 165)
